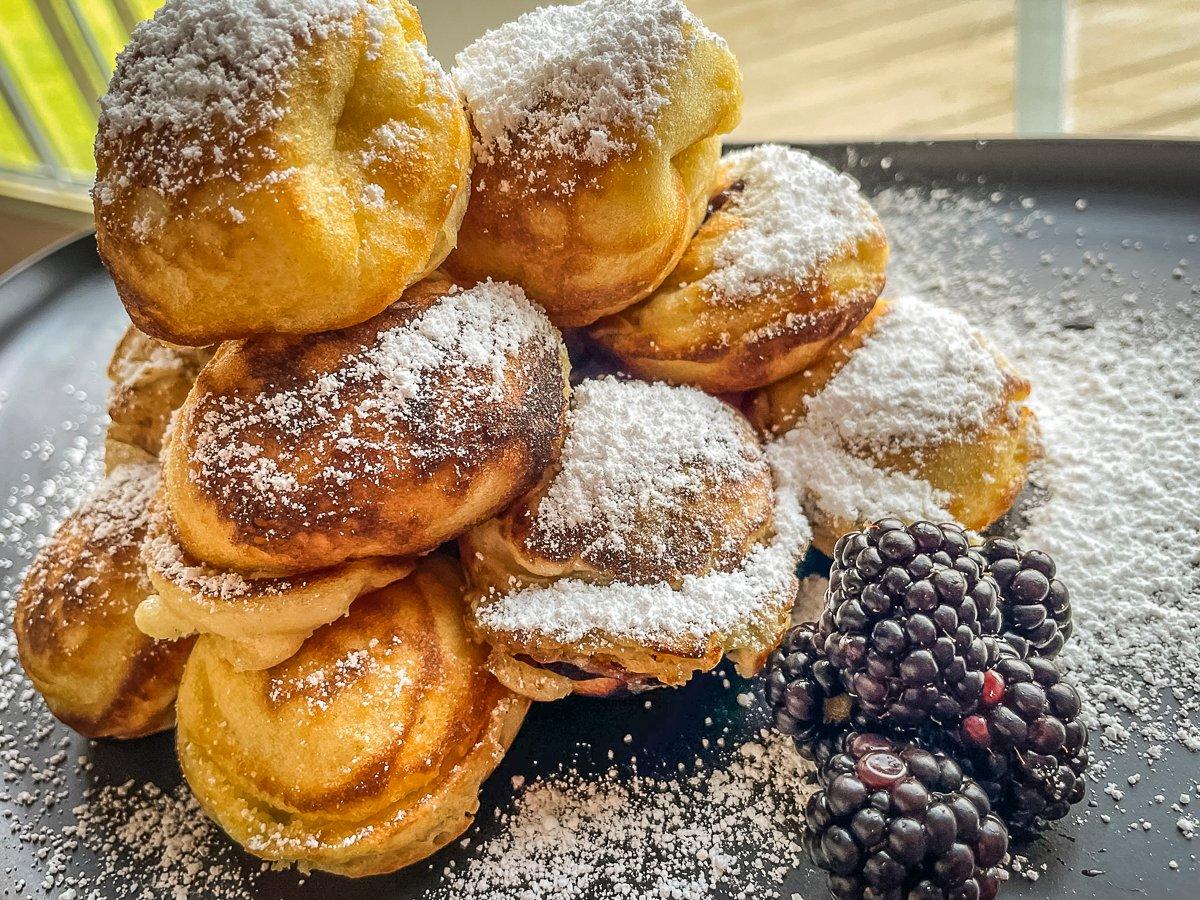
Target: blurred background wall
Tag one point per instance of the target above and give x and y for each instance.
(814, 69)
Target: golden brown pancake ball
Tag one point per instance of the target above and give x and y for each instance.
(276, 167)
(366, 750)
(385, 439)
(597, 130)
(789, 259)
(150, 380)
(253, 623)
(655, 548)
(913, 414)
(74, 618)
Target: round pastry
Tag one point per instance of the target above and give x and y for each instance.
(74, 618)
(253, 623)
(789, 259)
(912, 415)
(385, 439)
(652, 550)
(597, 129)
(276, 167)
(150, 380)
(398, 720)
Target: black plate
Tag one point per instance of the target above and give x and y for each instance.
(59, 319)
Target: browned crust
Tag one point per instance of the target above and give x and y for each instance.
(439, 488)
(511, 236)
(775, 408)
(394, 800)
(78, 643)
(742, 343)
(141, 403)
(585, 240)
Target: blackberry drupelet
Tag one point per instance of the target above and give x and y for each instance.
(1026, 745)
(892, 820)
(1034, 605)
(904, 621)
(798, 680)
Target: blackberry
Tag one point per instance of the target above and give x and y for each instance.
(1026, 745)
(1034, 605)
(892, 820)
(798, 680)
(905, 616)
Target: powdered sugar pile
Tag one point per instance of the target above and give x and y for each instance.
(581, 81)
(730, 830)
(419, 396)
(921, 377)
(637, 453)
(202, 68)
(797, 213)
(731, 604)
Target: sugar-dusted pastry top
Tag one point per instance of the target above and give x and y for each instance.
(74, 617)
(794, 214)
(920, 378)
(108, 528)
(200, 73)
(660, 526)
(424, 392)
(587, 80)
(731, 604)
(638, 459)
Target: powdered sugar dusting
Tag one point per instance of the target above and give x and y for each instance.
(636, 452)
(730, 830)
(202, 68)
(581, 81)
(163, 554)
(731, 604)
(921, 377)
(117, 514)
(797, 213)
(843, 487)
(1116, 394)
(434, 375)
(155, 843)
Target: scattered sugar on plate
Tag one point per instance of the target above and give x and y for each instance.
(731, 829)
(1116, 389)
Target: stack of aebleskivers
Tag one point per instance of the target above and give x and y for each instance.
(388, 459)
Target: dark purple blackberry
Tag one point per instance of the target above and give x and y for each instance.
(1026, 745)
(892, 820)
(905, 616)
(1034, 605)
(798, 680)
